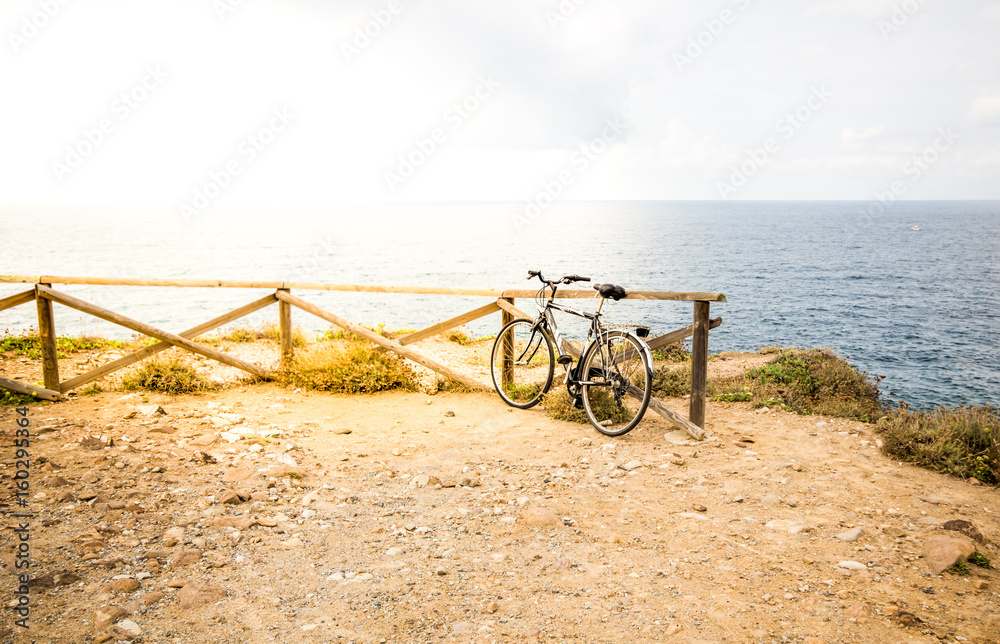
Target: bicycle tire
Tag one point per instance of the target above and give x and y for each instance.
(628, 377)
(530, 375)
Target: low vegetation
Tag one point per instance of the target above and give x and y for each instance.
(673, 353)
(11, 399)
(167, 376)
(672, 382)
(349, 366)
(559, 406)
(807, 381)
(963, 441)
(245, 333)
(29, 344)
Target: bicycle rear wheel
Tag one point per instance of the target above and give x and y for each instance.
(522, 364)
(618, 382)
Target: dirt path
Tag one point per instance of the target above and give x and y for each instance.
(454, 518)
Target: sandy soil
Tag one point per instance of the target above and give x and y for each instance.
(260, 514)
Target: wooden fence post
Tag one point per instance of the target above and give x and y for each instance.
(285, 322)
(507, 364)
(47, 333)
(699, 363)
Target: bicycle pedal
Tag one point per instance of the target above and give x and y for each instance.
(564, 359)
(578, 402)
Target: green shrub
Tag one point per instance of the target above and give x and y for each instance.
(349, 366)
(9, 398)
(673, 353)
(963, 441)
(671, 382)
(459, 336)
(272, 331)
(979, 559)
(559, 406)
(813, 381)
(165, 375)
(961, 569)
(29, 344)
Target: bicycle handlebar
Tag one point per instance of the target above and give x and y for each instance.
(568, 279)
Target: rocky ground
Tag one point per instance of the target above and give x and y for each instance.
(258, 514)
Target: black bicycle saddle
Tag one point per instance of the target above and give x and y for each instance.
(610, 290)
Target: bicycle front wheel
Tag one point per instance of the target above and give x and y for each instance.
(617, 381)
(522, 364)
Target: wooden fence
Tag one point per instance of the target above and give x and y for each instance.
(502, 301)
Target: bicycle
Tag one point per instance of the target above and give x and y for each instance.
(617, 363)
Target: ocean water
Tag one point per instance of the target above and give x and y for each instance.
(921, 308)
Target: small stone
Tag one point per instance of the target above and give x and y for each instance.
(797, 467)
(93, 443)
(893, 531)
(441, 572)
(187, 557)
(852, 565)
(195, 594)
(449, 414)
(697, 507)
(126, 585)
(676, 459)
(237, 474)
(127, 630)
(393, 552)
(942, 552)
(791, 527)
(492, 607)
(537, 517)
(104, 617)
(205, 440)
(176, 583)
(965, 527)
(230, 497)
(151, 410)
(631, 465)
(673, 629)
(771, 500)
(151, 598)
(981, 584)
(424, 480)
(341, 431)
(851, 535)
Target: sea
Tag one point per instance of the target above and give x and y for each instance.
(908, 291)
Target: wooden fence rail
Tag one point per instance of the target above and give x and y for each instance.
(503, 301)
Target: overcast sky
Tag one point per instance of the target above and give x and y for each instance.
(199, 103)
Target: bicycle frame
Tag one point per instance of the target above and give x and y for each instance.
(547, 319)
